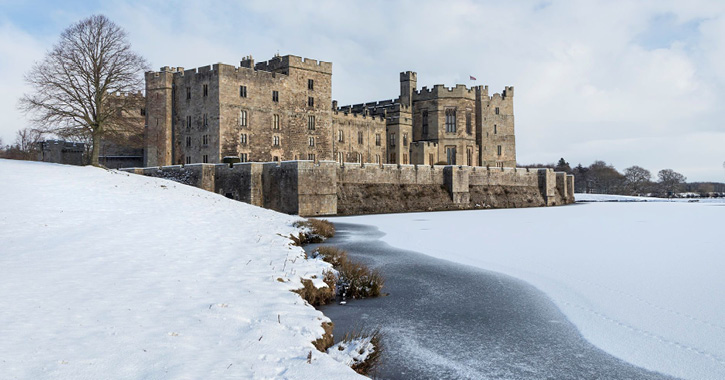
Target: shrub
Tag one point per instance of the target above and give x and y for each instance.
(332, 255)
(364, 348)
(356, 280)
(318, 296)
(316, 231)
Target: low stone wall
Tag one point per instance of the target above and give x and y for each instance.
(327, 188)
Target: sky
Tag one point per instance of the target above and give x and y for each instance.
(627, 82)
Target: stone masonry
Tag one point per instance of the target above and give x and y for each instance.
(282, 109)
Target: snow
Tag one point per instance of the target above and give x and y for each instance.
(352, 352)
(105, 274)
(641, 280)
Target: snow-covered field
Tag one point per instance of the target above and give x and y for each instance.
(645, 281)
(108, 275)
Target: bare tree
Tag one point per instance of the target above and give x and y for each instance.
(670, 181)
(75, 87)
(637, 179)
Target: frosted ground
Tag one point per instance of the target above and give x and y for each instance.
(643, 281)
(106, 275)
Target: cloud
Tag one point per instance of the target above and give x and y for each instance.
(618, 81)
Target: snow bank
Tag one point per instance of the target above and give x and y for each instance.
(106, 274)
(642, 280)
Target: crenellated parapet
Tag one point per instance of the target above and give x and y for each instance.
(285, 62)
(440, 91)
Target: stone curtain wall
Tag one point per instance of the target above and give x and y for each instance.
(327, 188)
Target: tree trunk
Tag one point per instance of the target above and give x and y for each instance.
(96, 148)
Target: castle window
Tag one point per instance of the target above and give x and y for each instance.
(341, 157)
(188, 93)
(405, 159)
(377, 158)
(243, 139)
(205, 88)
(359, 137)
(312, 141)
(143, 111)
(188, 140)
(205, 140)
(431, 161)
(206, 120)
(311, 123)
(451, 155)
(496, 110)
(392, 141)
(377, 139)
(243, 157)
(188, 123)
(242, 91)
(188, 159)
(405, 139)
(468, 123)
(310, 101)
(499, 150)
(451, 120)
(310, 84)
(205, 158)
(275, 96)
(275, 122)
(275, 158)
(469, 157)
(392, 158)
(275, 140)
(340, 136)
(242, 118)
(425, 123)
(311, 156)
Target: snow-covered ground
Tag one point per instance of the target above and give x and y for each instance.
(109, 275)
(628, 198)
(644, 281)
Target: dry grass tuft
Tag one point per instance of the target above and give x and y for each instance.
(317, 230)
(318, 296)
(357, 280)
(373, 359)
(332, 255)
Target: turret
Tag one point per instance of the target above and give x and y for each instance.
(408, 84)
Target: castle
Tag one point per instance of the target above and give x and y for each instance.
(282, 109)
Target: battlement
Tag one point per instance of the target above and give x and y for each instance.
(409, 76)
(293, 61)
(343, 114)
(125, 95)
(441, 91)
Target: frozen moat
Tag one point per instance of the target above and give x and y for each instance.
(449, 321)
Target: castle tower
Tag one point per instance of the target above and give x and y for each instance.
(408, 84)
(158, 130)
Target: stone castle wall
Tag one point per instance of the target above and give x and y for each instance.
(327, 188)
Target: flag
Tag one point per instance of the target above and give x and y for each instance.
(472, 77)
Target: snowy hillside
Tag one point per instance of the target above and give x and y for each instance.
(642, 280)
(111, 275)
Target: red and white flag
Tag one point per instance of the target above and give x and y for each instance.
(472, 77)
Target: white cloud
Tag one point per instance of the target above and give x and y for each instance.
(588, 84)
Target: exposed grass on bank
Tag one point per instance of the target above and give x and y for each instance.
(354, 279)
(314, 231)
(364, 348)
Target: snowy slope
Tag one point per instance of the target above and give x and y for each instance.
(110, 275)
(644, 281)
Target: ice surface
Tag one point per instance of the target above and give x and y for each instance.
(105, 274)
(642, 280)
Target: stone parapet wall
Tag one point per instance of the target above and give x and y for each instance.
(327, 188)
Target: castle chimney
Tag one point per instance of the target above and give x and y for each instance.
(247, 62)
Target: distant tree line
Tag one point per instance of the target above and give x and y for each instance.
(602, 178)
